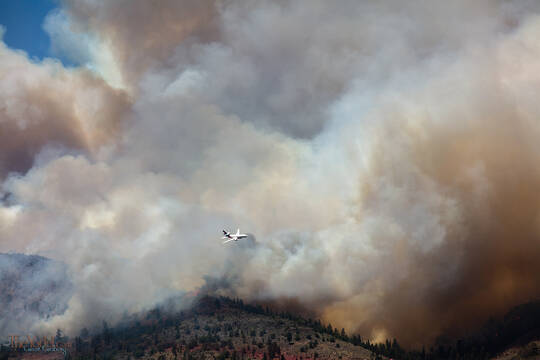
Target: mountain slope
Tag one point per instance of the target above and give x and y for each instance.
(219, 328)
(225, 328)
(31, 288)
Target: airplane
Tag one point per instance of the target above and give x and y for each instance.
(232, 237)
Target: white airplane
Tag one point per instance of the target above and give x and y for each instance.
(231, 237)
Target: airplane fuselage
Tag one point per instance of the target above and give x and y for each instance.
(233, 237)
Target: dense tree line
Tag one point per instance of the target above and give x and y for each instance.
(519, 326)
(144, 336)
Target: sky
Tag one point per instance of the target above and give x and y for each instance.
(23, 23)
(382, 156)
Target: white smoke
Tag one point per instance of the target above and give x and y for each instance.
(382, 154)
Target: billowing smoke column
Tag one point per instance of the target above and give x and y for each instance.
(384, 155)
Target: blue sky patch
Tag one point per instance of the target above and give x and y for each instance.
(23, 24)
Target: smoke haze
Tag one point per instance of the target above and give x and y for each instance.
(385, 157)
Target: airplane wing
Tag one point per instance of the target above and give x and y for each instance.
(228, 241)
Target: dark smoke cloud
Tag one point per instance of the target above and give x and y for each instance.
(384, 155)
(46, 105)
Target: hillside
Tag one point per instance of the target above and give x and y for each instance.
(226, 328)
(514, 336)
(219, 328)
(31, 287)
(34, 287)
(530, 351)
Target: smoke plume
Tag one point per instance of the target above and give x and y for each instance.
(385, 156)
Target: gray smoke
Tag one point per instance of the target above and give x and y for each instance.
(385, 156)
(33, 289)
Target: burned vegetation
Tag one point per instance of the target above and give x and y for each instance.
(223, 328)
(220, 328)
